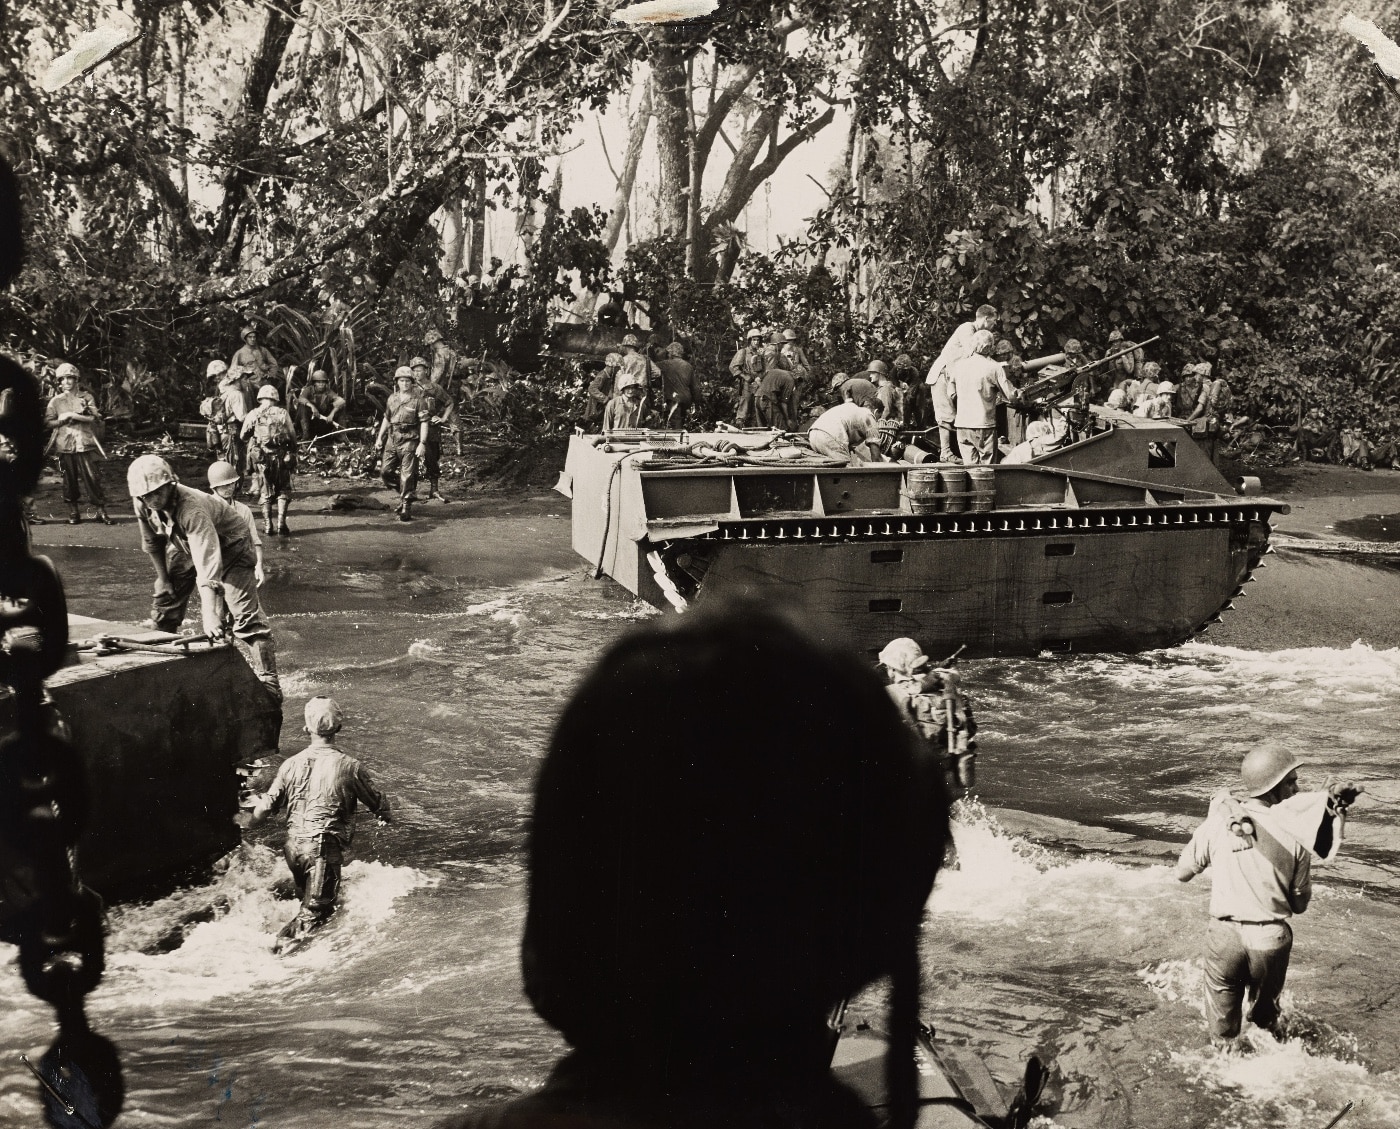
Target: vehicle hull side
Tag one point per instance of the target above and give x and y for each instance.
(996, 595)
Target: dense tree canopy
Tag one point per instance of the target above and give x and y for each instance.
(1219, 174)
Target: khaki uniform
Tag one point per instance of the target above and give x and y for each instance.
(442, 413)
(76, 444)
(207, 542)
(272, 450)
(406, 413)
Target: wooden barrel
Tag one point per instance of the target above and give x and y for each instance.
(955, 485)
(982, 495)
(922, 489)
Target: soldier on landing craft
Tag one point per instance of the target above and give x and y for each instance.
(403, 439)
(196, 540)
(747, 368)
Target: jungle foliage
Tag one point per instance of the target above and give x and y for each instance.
(1219, 174)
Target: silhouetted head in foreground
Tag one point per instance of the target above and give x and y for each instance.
(732, 833)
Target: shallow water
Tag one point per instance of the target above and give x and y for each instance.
(1062, 933)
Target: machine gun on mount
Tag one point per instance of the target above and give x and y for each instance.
(1055, 384)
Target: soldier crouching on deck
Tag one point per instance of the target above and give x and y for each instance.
(403, 438)
(320, 787)
(197, 540)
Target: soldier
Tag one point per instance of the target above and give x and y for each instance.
(959, 345)
(320, 787)
(679, 384)
(215, 412)
(794, 358)
(930, 702)
(223, 480)
(196, 540)
(848, 432)
(776, 400)
(1188, 389)
(601, 388)
(254, 359)
(977, 383)
(627, 409)
(236, 408)
(319, 407)
(889, 393)
(747, 368)
(636, 367)
(442, 416)
(272, 450)
(444, 359)
(72, 415)
(403, 440)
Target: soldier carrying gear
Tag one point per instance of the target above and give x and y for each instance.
(403, 439)
(930, 701)
(272, 453)
(747, 367)
(196, 540)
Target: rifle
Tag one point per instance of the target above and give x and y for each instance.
(1044, 388)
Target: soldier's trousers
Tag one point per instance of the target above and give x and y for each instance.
(400, 466)
(1244, 959)
(250, 626)
(79, 468)
(315, 865)
(432, 458)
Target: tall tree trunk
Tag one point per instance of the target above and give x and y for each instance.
(627, 177)
(247, 133)
(476, 207)
(671, 98)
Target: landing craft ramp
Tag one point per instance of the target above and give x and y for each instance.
(1127, 540)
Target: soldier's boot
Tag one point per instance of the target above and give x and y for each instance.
(282, 517)
(267, 518)
(264, 662)
(433, 491)
(102, 515)
(406, 510)
(74, 514)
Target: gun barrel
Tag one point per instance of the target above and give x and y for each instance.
(1041, 362)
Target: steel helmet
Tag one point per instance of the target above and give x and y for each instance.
(221, 474)
(66, 369)
(403, 372)
(789, 335)
(1263, 768)
(216, 368)
(147, 473)
(675, 349)
(631, 339)
(418, 361)
(904, 360)
(319, 376)
(1073, 346)
(903, 656)
(877, 366)
(267, 392)
(247, 329)
(755, 332)
(612, 360)
(839, 379)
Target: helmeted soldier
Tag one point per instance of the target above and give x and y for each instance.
(253, 358)
(930, 701)
(442, 415)
(403, 439)
(73, 415)
(272, 453)
(747, 367)
(319, 406)
(198, 541)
